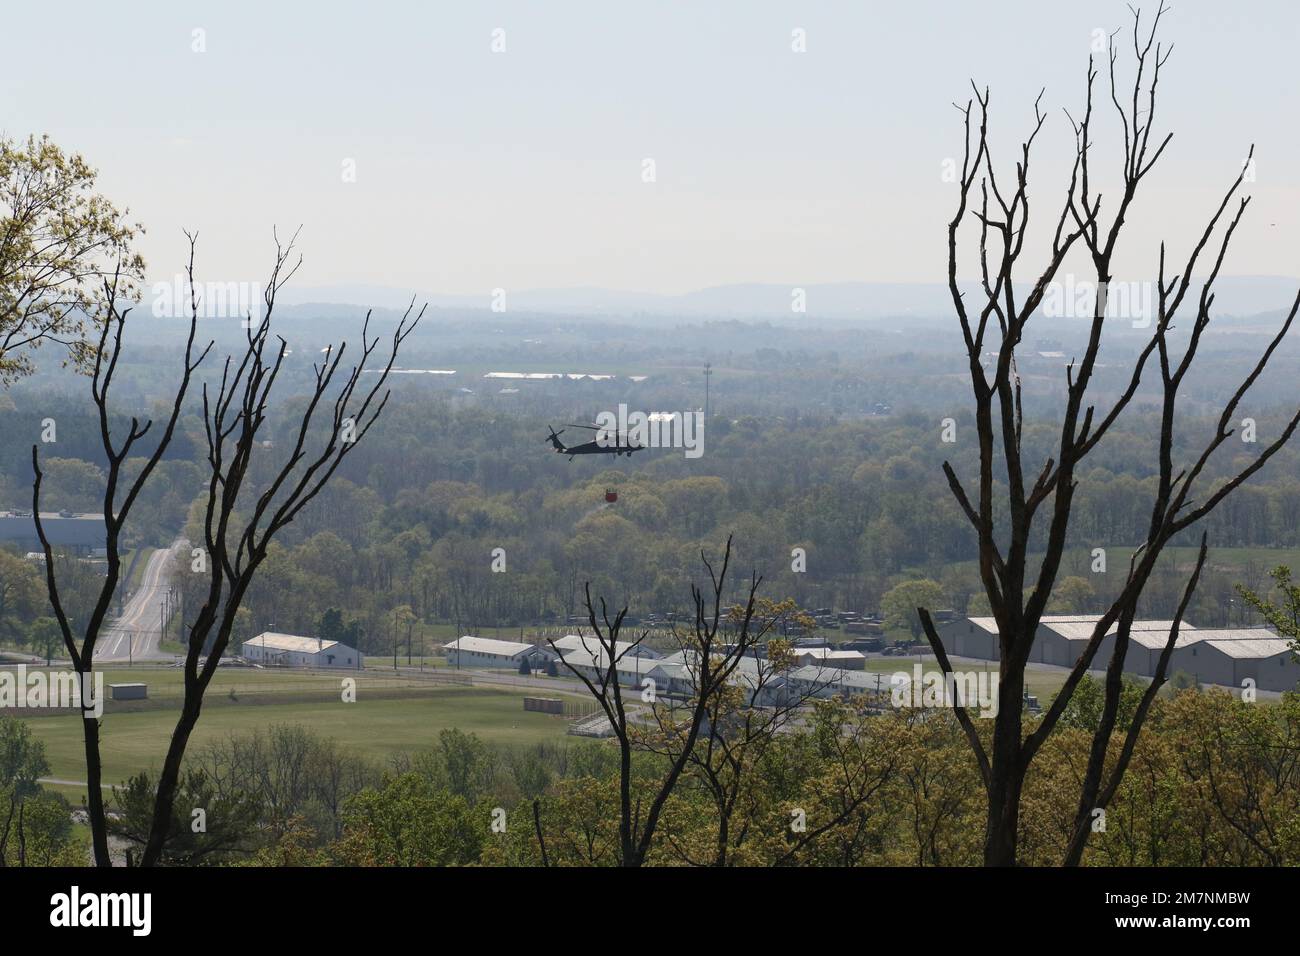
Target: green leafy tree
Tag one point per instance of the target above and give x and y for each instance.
(899, 603)
(408, 822)
(20, 594)
(333, 627)
(209, 823)
(467, 762)
(45, 637)
(36, 830)
(1282, 614)
(1073, 595)
(59, 241)
(1084, 710)
(22, 758)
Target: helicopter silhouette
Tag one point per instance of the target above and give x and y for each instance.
(620, 445)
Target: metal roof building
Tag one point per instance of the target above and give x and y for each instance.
(1224, 656)
(1231, 656)
(291, 650)
(590, 642)
(831, 657)
(471, 651)
(64, 530)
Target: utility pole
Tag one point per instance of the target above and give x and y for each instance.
(708, 374)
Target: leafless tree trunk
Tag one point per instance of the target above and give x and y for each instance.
(1017, 592)
(239, 527)
(741, 724)
(15, 809)
(117, 506)
(712, 664)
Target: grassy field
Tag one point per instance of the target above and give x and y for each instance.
(381, 661)
(377, 726)
(393, 713)
(1077, 560)
(165, 681)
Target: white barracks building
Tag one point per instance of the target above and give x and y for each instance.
(290, 650)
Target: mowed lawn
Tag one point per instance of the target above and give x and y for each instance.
(167, 683)
(377, 728)
(1230, 560)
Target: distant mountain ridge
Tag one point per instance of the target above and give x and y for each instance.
(1235, 296)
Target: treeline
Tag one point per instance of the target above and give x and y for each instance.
(422, 518)
(453, 516)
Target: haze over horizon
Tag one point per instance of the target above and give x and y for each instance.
(1236, 296)
(524, 169)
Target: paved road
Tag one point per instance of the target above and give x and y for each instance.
(135, 634)
(60, 782)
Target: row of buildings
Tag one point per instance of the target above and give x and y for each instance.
(817, 672)
(1223, 656)
(492, 653)
(1226, 657)
(510, 655)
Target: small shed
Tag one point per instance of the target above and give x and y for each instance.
(128, 691)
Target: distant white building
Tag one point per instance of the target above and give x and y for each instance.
(592, 644)
(813, 680)
(830, 657)
(290, 650)
(669, 677)
(488, 652)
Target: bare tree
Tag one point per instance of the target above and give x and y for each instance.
(741, 724)
(16, 807)
(712, 660)
(1017, 592)
(119, 496)
(242, 517)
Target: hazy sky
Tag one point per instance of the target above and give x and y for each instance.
(523, 169)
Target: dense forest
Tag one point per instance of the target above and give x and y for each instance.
(806, 447)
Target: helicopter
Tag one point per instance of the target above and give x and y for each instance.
(620, 445)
